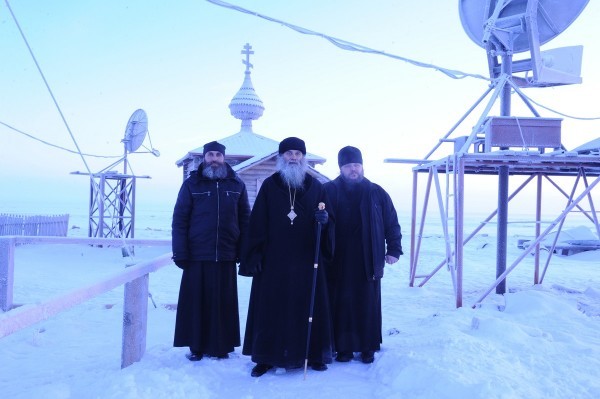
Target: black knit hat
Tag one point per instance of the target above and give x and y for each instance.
(292, 143)
(348, 155)
(214, 146)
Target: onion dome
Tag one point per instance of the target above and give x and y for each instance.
(246, 105)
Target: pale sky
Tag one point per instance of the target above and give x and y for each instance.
(180, 61)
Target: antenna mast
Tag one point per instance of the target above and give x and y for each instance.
(112, 194)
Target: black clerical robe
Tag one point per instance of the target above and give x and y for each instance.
(280, 256)
(366, 230)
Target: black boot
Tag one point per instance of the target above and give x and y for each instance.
(194, 356)
(260, 369)
(318, 366)
(344, 356)
(367, 357)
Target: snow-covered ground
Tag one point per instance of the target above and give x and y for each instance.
(534, 342)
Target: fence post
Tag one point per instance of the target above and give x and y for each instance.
(7, 272)
(135, 321)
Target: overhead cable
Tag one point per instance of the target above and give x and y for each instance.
(47, 86)
(581, 118)
(54, 145)
(349, 46)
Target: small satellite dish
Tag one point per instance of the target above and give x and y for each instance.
(553, 17)
(136, 130)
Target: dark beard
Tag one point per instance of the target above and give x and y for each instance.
(352, 182)
(219, 172)
(292, 174)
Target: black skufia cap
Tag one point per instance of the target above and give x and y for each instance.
(348, 155)
(214, 146)
(292, 143)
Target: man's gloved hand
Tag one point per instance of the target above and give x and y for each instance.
(249, 270)
(322, 216)
(181, 263)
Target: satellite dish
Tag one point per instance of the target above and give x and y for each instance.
(553, 17)
(507, 27)
(136, 130)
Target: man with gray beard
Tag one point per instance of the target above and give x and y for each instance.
(279, 255)
(209, 220)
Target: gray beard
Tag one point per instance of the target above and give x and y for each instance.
(292, 174)
(214, 173)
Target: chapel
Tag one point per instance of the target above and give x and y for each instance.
(251, 155)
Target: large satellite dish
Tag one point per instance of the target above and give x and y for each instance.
(136, 130)
(553, 17)
(507, 27)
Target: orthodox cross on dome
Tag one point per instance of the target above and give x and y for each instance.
(247, 51)
(246, 105)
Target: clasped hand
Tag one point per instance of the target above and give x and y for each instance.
(321, 216)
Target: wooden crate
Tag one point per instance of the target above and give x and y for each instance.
(510, 131)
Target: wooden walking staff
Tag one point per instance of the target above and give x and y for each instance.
(314, 285)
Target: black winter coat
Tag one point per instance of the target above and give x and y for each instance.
(381, 235)
(209, 218)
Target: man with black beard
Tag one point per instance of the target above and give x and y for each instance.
(367, 236)
(280, 255)
(210, 218)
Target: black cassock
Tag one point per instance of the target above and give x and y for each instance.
(356, 299)
(278, 311)
(207, 312)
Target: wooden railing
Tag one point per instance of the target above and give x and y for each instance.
(33, 225)
(135, 278)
